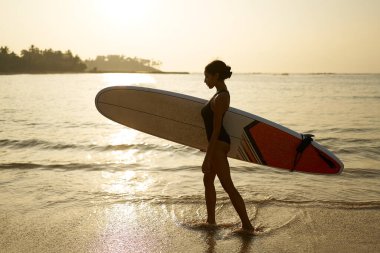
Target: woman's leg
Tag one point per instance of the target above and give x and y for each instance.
(210, 194)
(222, 169)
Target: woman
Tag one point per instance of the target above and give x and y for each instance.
(215, 162)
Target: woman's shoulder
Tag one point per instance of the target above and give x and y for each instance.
(224, 94)
(222, 99)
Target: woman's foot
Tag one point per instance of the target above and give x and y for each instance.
(245, 231)
(248, 227)
(211, 222)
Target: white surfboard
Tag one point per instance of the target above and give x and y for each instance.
(177, 117)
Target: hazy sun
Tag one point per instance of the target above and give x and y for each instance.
(122, 10)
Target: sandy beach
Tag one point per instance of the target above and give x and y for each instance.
(147, 227)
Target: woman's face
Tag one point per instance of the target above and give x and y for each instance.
(211, 79)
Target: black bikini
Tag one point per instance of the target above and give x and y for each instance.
(208, 118)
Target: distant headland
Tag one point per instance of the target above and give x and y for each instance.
(36, 61)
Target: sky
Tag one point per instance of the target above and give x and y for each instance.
(275, 36)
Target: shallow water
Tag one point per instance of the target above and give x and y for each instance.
(58, 153)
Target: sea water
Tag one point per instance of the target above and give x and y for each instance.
(57, 152)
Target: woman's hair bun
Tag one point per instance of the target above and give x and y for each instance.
(219, 67)
(227, 73)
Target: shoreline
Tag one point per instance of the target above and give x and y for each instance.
(138, 72)
(98, 72)
(179, 227)
(187, 73)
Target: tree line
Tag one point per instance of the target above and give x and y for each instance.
(35, 60)
(120, 63)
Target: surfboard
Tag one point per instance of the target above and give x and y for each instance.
(177, 118)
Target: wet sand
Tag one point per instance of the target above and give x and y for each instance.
(154, 227)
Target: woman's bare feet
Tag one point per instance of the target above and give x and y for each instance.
(250, 231)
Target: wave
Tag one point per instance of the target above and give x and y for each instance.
(68, 166)
(361, 173)
(350, 140)
(157, 197)
(46, 145)
(368, 147)
(224, 200)
(94, 167)
(322, 203)
(348, 130)
(348, 172)
(20, 144)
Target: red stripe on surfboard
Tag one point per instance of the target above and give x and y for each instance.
(278, 149)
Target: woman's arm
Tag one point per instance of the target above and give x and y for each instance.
(221, 104)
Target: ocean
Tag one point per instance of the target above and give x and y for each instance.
(73, 181)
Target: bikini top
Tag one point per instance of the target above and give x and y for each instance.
(208, 118)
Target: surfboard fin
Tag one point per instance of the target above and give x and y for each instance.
(306, 140)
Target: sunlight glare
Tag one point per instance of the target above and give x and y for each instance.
(127, 182)
(124, 137)
(115, 79)
(118, 10)
(125, 157)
